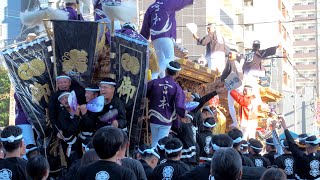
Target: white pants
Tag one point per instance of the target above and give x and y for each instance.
(164, 48)
(27, 133)
(217, 61)
(158, 132)
(248, 128)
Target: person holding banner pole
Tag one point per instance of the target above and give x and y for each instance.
(88, 118)
(159, 22)
(114, 112)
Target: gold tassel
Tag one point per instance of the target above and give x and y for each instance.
(153, 60)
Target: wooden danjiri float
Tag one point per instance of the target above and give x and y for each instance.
(196, 78)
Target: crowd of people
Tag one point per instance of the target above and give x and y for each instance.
(186, 143)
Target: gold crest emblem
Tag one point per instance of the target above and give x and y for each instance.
(28, 70)
(75, 61)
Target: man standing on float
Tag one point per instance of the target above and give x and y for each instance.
(160, 22)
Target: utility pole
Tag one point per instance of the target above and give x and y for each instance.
(317, 51)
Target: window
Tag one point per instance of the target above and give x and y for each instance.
(312, 50)
(248, 2)
(249, 27)
(0, 30)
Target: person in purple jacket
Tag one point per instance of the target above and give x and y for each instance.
(71, 6)
(167, 101)
(21, 121)
(159, 22)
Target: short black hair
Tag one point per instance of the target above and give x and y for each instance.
(234, 134)
(37, 167)
(274, 174)
(89, 157)
(270, 140)
(173, 143)
(32, 153)
(256, 144)
(244, 145)
(107, 141)
(222, 140)
(226, 163)
(162, 142)
(11, 131)
(175, 65)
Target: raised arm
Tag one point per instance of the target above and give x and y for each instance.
(240, 99)
(268, 52)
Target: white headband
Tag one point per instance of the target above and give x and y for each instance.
(255, 147)
(32, 149)
(302, 139)
(173, 68)
(91, 89)
(169, 151)
(86, 149)
(193, 96)
(317, 141)
(160, 146)
(106, 82)
(189, 116)
(244, 145)
(206, 124)
(11, 138)
(238, 140)
(63, 94)
(59, 77)
(215, 147)
(269, 143)
(150, 151)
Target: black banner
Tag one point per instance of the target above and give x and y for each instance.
(129, 65)
(30, 70)
(75, 49)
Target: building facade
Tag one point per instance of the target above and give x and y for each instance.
(306, 52)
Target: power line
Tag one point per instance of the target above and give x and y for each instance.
(262, 22)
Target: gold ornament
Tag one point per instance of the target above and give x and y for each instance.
(130, 63)
(28, 70)
(126, 88)
(75, 61)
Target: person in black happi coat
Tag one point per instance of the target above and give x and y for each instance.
(236, 136)
(161, 149)
(185, 133)
(255, 149)
(107, 143)
(68, 129)
(63, 83)
(202, 171)
(308, 165)
(149, 158)
(114, 112)
(270, 148)
(13, 166)
(286, 161)
(204, 139)
(88, 118)
(173, 168)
